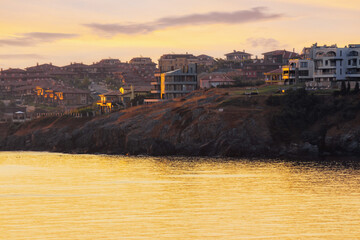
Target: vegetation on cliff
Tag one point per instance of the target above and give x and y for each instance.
(214, 122)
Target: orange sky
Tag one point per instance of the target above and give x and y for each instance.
(64, 31)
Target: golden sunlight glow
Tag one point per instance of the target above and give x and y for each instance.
(300, 25)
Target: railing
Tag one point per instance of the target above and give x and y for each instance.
(320, 73)
(352, 72)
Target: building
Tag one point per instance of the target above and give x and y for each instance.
(274, 77)
(110, 101)
(175, 84)
(63, 96)
(13, 74)
(298, 71)
(333, 64)
(13, 113)
(171, 62)
(7, 88)
(103, 69)
(79, 69)
(47, 67)
(215, 80)
(205, 60)
(280, 57)
(256, 69)
(237, 56)
(142, 61)
(110, 61)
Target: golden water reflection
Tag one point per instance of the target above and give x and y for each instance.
(59, 196)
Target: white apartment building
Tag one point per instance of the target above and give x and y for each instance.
(333, 64)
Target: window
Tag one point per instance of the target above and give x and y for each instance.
(340, 53)
(303, 64)
(304, 73)
(340, 71)
(326, 62)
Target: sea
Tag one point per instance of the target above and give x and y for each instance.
(65, 196)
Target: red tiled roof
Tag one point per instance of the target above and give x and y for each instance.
(112, 93)
(13, 70)
(286, 54)
(42, 67)
(76, 65)
(173, 56)
(238, 53)
(276, 71)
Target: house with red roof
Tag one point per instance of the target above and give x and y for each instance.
(238, 56)
(215, 80)
(280, 57)
(274, 77)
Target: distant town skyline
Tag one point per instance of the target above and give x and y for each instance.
(64, 31)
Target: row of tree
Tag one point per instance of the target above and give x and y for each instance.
(346, 88)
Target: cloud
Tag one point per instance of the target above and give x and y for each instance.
(21, 56)
(34, 38)
(237, 17)
(263, 42)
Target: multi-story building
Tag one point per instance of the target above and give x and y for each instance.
(175, 83)
(298, 71)
(171, 62)
(333, 64)
(353, 62)
(237, 56)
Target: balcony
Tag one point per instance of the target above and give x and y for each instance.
(330, 66)
(325, 74)
(353, 73)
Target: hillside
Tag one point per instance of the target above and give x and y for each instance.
(217, 122)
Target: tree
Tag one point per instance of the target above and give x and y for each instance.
(356, 89)
(348, 87)
(343, 88)
(85, 83)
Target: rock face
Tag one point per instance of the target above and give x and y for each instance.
(208, 124)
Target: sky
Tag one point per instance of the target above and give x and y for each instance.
(64, 31)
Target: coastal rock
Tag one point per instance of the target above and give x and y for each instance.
(192, 126)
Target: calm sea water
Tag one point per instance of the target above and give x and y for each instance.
(58, 196)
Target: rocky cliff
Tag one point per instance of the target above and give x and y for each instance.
(217, 122)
